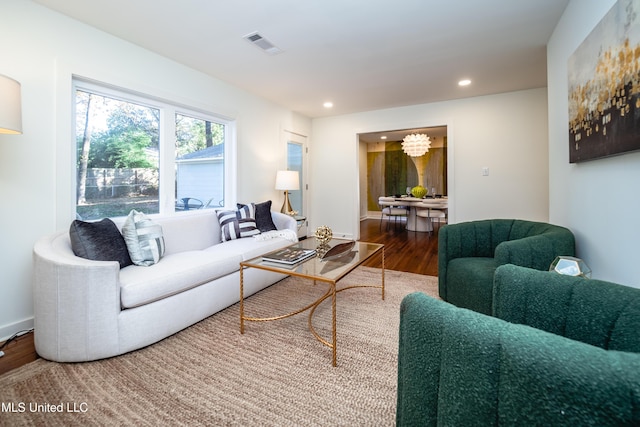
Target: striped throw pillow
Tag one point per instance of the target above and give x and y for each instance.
(238, 224)
(144, 239)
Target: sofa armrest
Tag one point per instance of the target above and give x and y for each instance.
(283, 221)
(459, 367)
(600, 313)
(420, 345)
(447, 365)
(76, 303)
(537, 251)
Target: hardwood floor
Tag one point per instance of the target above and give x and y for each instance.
(409, 251)
(404, 251)
(17, 353)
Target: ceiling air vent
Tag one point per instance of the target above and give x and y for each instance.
(264, 44)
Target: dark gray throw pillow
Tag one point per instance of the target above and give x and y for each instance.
(264, 222)
(99, 241)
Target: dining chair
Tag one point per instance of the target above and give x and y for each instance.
(391, 208)
(432, 214)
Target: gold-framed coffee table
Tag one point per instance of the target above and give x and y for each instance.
(318, 270)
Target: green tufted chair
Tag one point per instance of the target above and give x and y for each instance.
(470, 252)
(559, 351)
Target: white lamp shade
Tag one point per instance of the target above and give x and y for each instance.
(10, 106)
(416, 145)
(287, 180)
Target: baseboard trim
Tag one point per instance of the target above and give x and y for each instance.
(6, 331)
(338, 235)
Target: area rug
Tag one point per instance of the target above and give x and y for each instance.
(275, 374)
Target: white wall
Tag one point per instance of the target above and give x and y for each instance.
(598, 199)
(506, 132)
(42, 49)
(362, 166)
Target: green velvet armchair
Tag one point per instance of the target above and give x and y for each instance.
(560, 351)
(470, 252)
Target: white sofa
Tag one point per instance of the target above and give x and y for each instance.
(87, 310)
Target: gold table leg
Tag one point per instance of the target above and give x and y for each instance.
(331, 292)
(333, 322)
(383, 273)
(241, 300)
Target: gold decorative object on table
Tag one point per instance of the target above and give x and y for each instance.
(322, 249)
(323, 234)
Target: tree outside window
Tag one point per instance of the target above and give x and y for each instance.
(118, 157)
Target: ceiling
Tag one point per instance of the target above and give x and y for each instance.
(359, 54)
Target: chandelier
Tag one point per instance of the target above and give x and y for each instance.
(416, 144)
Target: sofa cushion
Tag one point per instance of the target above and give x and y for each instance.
(144, 239)
(175, 273)
(474, 283)
(238, 224)
(264, 221)
(192, 230)
(248, 248)
(99, 241)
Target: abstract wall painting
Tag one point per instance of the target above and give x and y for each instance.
(604, 87)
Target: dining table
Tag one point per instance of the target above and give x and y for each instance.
(420, 223)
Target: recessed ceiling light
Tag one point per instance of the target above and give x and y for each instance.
(465, 82)
(328, 104)
(383, 137)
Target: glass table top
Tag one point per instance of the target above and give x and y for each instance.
(316, 268)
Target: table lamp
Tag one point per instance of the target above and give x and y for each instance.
(286, 181)
(10, 106)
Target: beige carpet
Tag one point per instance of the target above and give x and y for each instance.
(276, 374)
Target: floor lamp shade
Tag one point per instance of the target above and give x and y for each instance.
(287, 180)
(10, 106)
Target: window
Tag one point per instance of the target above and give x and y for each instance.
(121, 141)
(294, 163)
(199, 163)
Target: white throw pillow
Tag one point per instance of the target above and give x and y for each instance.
(144, 239)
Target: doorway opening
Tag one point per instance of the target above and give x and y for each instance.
(297, 161)
(385, 169)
